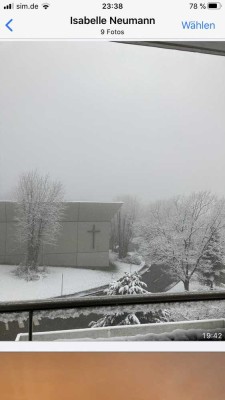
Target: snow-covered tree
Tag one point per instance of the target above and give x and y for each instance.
(38, 213)
(128, 284)
(123, 225)
(177, 232)
(212, 264)
(116, 319)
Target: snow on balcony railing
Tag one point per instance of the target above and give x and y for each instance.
(64, 314)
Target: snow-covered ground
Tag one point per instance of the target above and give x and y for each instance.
(75, 280)
(194, 286)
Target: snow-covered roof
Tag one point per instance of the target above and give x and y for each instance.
(74, 211)
(213, 48)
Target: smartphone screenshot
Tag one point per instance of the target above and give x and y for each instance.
(112, 171)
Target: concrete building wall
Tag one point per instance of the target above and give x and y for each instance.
(75, 246)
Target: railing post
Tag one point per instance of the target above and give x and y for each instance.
(30, 326)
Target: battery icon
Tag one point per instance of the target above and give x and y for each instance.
(214, 6)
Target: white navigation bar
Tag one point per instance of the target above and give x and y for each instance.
(122, 20)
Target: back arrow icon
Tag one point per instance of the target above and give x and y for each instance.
(7, 25)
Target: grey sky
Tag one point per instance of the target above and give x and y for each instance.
(108, 119)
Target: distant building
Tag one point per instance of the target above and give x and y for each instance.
(83, 241)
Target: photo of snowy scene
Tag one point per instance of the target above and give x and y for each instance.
(112, 183)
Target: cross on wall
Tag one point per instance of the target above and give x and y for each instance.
(93, 231)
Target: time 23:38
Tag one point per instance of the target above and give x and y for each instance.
(108, 6)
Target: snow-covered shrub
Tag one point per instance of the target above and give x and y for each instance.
(133, 258)
(125, 318)
(153, 317)
(116, 319)
(128, 284)
(29, 274)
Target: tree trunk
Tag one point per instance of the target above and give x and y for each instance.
(32, 256)
(186, 285)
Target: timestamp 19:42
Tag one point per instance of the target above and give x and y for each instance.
(110, 6)
(213, 336)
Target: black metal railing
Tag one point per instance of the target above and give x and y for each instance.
(103, 301)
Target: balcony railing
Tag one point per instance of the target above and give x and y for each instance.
(104, 301)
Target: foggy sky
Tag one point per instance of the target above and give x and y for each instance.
(108, 119)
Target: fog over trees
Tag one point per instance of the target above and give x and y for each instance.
(115, 118)
(123, 225)
(183, 233)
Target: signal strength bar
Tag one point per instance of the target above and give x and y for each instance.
(9, 6)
